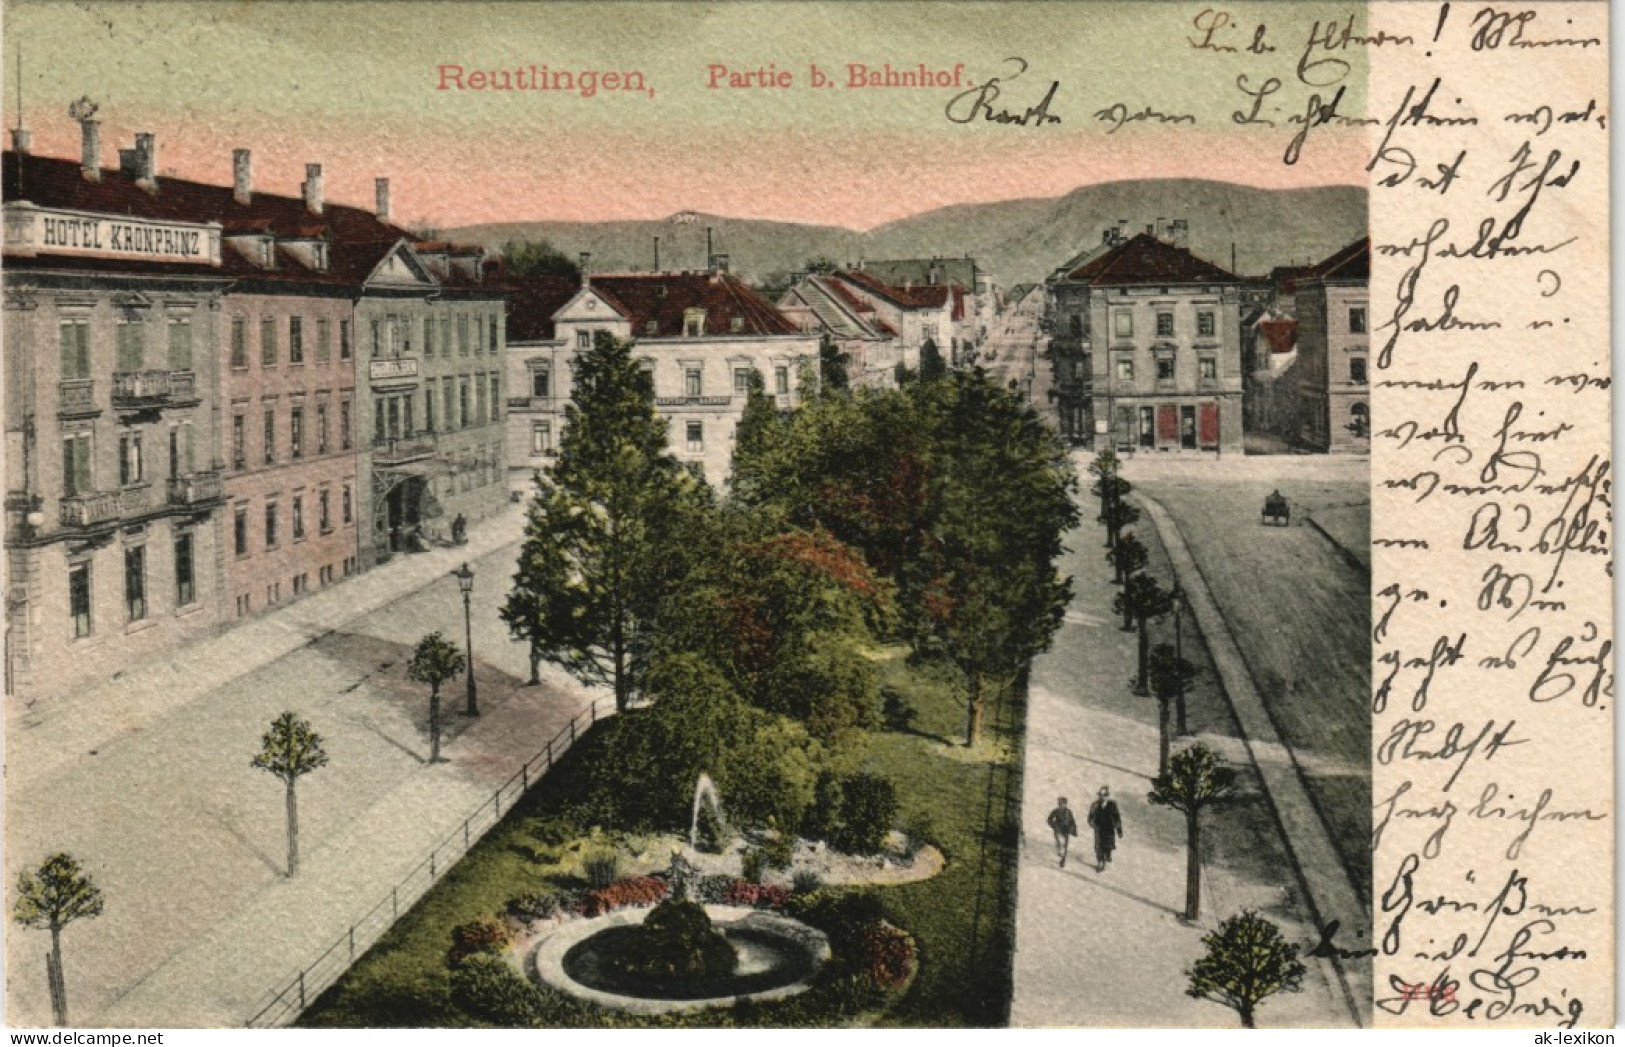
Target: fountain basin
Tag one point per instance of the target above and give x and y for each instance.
(778, 957)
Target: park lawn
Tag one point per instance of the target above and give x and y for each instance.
(962, 919)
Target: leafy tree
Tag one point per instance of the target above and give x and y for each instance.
(1170, 675)
(1141, 600)
(1194, 781)
(1105, 466)
(434, 661)
(53, 896)
(832, 364)
(1117, 513)
(602, 541)
(522, 258)
(290, 750)
(1247, 961)
(1127, 557)
(932, 365)
(820, 264)
(760, 429)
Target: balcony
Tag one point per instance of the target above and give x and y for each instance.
(403, 450)
(76, 398)
(197, 489)
(104, 508)
(148, 389)
(393, 369)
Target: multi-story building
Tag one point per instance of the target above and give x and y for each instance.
(820, 303)
(1146, 347)
(1334, 412)
(197, 353)
(979, 295)
(700, 334)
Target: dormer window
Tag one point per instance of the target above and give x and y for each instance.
(737, 324)
(693, 323)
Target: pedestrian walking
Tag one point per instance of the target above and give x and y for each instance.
(1064, 826)
(1107, 823)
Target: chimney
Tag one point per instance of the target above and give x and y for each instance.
(584, 263)
(719, 263)
(90, 155)
(656, 269)
(146, 160)
(21, 140)
(380, 189)
(1181, 230)
(313, 188)
(242, 176)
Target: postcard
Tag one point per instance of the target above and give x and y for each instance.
(801, 515)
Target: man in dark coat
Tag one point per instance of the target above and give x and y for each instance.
(1108, 826)
(1065, 827)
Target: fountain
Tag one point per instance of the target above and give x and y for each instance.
(704, 789)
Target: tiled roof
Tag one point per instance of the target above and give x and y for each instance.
(665, 298)
(1351, 263)
(358, 239)
(928, 296)
(900, 271)
(533, 301)
(838, 310)
(1144, 259)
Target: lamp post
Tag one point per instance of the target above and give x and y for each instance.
(465, 582)
(1179, 600)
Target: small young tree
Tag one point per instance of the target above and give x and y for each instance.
(1104, 468)
(53, 896)
(1117, 512)
(1194, 781)
(832, 373)
(434, 661)
(1127, 557)
(291, 750)
(1170, 675)
(932, 366)
(1141, 600)
(1247, 961)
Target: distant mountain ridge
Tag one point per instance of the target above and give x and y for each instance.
(1018, 240)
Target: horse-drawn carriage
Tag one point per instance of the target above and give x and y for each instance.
(1276, 510)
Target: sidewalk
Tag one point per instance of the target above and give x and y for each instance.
(1109, 949)
(187, 841)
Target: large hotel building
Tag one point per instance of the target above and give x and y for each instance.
(218, 399)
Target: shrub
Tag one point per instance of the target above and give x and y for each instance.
(601, 870)
(755, 864)
(489, 990)
(895, 710)
(755, 895)
(868, 808)
(823, 821)
(919, 831)
(481, 936)
(677, 940)
(888, 955)
(531, 906)
(780, 851)
(636, 890)
(710, 889)
(805, 881)
(711, 837)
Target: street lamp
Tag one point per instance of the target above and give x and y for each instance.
(465, 582)
(1180, 602)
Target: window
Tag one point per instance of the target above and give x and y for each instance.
(445, 337)
(270, 435)
(541, 438)
(239, 442)
(346, 509)
(298, 517)
(462, 334)
(344, 425)
(1075, 322)
(1204, 324)
(135, 582)
(1125, 369)
(129, 459)
(1165, 325)
(181, 461)
(583, 340)
(691, 381)
(741, 381)
(496, 398)
(494, 338)
(244, 604)
(296, 339)
(428, 407)
(479, 333)
(428, 337)
(1123, 323)
(185, 589)
(321, 428)
(296, 432)
(377, 338)
(1359, 419)
(696, 436)
(239, 531)
(298, 584)
(479, 399)
(324, 513)
(344, 339)
(132, 345)
(781, 380)
(74, 336)
(462, 403)
(270, 525)
(448, 400)
(76, 464)
(541, 382)
(1357, 369)
(239, 343)
(407, 429)
(268, 342)
(180, 343)
(1165, 368)
(380, 431)
(652, 328)
(1357, 319)
(324, 340)
(1207, 369)
(79, 599)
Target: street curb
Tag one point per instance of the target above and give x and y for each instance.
(1342, 550)
(1329, 896)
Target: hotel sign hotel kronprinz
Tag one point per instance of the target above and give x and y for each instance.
(32, 230)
